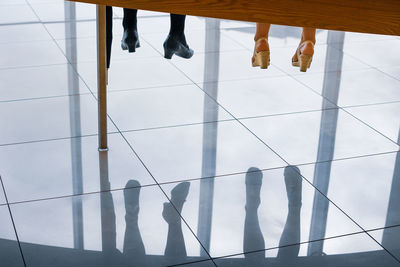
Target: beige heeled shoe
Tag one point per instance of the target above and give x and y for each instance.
(303, 60)
(260, 58)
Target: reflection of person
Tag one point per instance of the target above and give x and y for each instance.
(253, 239)
(175, 44)
(291, 232)
(133, 250)
(175, 247)
(304, 52)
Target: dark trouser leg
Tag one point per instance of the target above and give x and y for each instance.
(177, 24)
(176, 41)
(130, 39)
(130, 18)
(109, 33)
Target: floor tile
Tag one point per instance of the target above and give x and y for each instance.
(365, 188)
(233, 65)
(279, 35)
(385, 52)
(43, 81)
(384, 118)
(55, 11)
(208, 263)
(351, 37)
(44, 1)
(268, 96)
(16, 14)
(12, 2)
(196, 40)
(281, 58)
(23, 33)
(82, 29)
(2, 197)
(20, 54)
(162, 107)
(141, 13)
(118, 227)
(297, 137)
(85, 49)
(393, 71)
(358, 87)
(353, 250)
(250, 212)
(65, 167)
(9, 252)
(48, 118)
(388, 238)
(174, 154)
(134, 73)
(161, 24)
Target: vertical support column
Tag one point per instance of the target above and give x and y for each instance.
(210, 133)
(75, 123)
(102, 76)
(327, 136)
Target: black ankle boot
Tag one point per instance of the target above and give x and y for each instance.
(178, 46)
(130, 40)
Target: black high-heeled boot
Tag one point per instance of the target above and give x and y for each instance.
(130, 39)
(176, 41)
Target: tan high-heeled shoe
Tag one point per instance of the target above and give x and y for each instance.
(260, 58)
(303, 60)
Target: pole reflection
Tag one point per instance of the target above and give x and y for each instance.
(75, 122)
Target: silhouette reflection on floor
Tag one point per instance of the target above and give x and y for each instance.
(134, 253)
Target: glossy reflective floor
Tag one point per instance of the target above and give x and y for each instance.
(211, 162)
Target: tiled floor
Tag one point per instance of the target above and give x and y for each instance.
(211, 162)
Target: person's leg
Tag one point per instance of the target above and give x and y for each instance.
(176, 41)
(262, 31)
(305, 48)
(253, 238)
(175, 247)
(291, 231)
(133, 248)
(130, 39)
(261, 48)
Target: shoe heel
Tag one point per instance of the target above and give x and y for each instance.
(261, 59)
(131, 46)
(168, 53)
(304, 62)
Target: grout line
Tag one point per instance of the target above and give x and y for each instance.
(141, 161)
(333, 203)
(307, 242)
(68, 21)
(294, 77)
(219, 176)
(13, 222)
(52, 139)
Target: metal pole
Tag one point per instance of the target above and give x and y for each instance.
(327, 136)
(102, 76)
